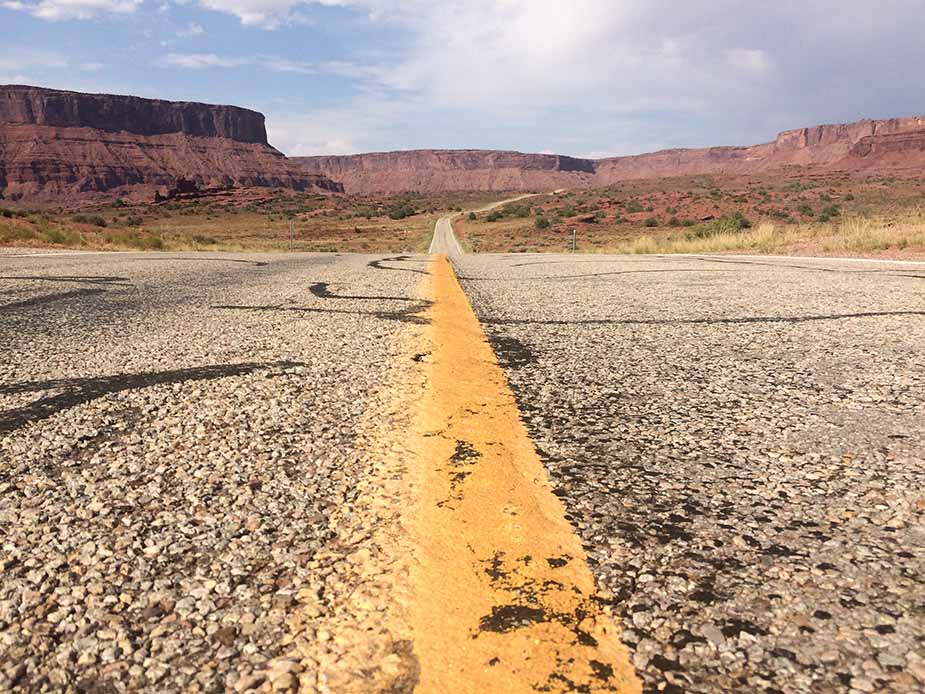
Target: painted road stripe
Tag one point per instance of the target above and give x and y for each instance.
(504, 599)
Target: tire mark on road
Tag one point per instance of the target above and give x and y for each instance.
(50, 299)
(79, 391)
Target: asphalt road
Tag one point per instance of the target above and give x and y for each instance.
(178, 443)
(738, 443)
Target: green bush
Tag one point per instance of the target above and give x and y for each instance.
(519, 211)
(806, 210)
(494, 216)
(473, 216)
(401, 211)
(541, 223)
(634, 207)
(651, 222)
(723, 225)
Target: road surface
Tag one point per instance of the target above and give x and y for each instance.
(211, 470)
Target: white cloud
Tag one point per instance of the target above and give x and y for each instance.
(56, 10)
(201, 61)
(191, 30)
(749, 60)
(356, 126)
(17, 58)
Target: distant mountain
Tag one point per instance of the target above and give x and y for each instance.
(58, 146)
(895, 145)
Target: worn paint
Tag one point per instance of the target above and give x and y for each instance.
(503, 599)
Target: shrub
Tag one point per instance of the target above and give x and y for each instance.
(541, 223)
(473, 216)
(494, 216)
(651, 222)
(520, 211)
(674, 222)
(401, 211)
(806, 210)
(849, 196)
(633, 207)
(724, 225)
(741, 220)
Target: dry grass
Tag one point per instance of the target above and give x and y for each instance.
(319, 223)
(849, 236)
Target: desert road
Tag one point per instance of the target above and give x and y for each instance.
(347, 473)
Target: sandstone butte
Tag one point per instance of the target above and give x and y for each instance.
(59, 146)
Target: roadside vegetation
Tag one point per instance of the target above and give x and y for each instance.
(249, 220)
(832, 215)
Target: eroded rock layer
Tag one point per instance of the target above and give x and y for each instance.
(57, 145)
(897, 144)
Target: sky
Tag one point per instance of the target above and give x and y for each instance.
(590, 78)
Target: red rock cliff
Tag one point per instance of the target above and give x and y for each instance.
(443, 170)
(868, 145)
(57, 145)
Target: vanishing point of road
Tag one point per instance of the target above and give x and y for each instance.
(455, 473)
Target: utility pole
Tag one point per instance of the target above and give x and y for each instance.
(574, 240)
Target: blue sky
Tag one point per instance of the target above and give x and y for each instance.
(580, 77)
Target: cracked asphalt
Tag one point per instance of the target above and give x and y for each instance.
(739, 444)
(179, 459)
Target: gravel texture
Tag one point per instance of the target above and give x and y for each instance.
(181, 464)
(739, 444)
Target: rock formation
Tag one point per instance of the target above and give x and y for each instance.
(58, 146)
(61, 146)
(446, 170)
(884, 145)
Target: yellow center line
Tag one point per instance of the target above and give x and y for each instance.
(503, 597)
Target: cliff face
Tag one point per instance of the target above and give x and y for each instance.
(868, 145)
(59, 146)
(445, 170)
(20, 105)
